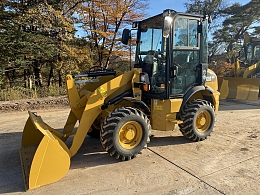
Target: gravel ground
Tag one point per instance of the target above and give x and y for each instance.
(228, 162)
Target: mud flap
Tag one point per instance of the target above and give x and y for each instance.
(45, 158)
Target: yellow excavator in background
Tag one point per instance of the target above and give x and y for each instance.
(243, 82)
(169, 85)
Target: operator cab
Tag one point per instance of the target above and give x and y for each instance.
(172, 50)
(252, 51)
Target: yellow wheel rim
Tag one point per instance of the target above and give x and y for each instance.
(130, 135)
(203, 121)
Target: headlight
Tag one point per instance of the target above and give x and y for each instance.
(142, 78)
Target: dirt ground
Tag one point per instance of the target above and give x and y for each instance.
(228, 162)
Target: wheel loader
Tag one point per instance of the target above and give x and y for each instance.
(169, 85)
(243, 82)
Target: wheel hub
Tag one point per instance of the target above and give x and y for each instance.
(129, 134)
(203, 121)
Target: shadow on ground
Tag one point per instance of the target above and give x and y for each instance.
(91, 154)
(169, 140)
(234, 104)
(11, 178)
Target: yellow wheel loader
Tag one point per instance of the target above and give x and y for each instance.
(243, 82)
(169, 85)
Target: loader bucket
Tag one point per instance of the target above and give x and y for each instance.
(44, 156)
(239, 88)
(223, 88)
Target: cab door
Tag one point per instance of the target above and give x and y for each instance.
(185, 55)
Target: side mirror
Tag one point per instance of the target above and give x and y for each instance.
(126, 36)
(167, 26)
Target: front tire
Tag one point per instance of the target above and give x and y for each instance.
(198, 118)
(125, 132)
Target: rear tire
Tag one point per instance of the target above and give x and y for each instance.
(125, 132)
(94, 133)
(198, 118)
(95, 130)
